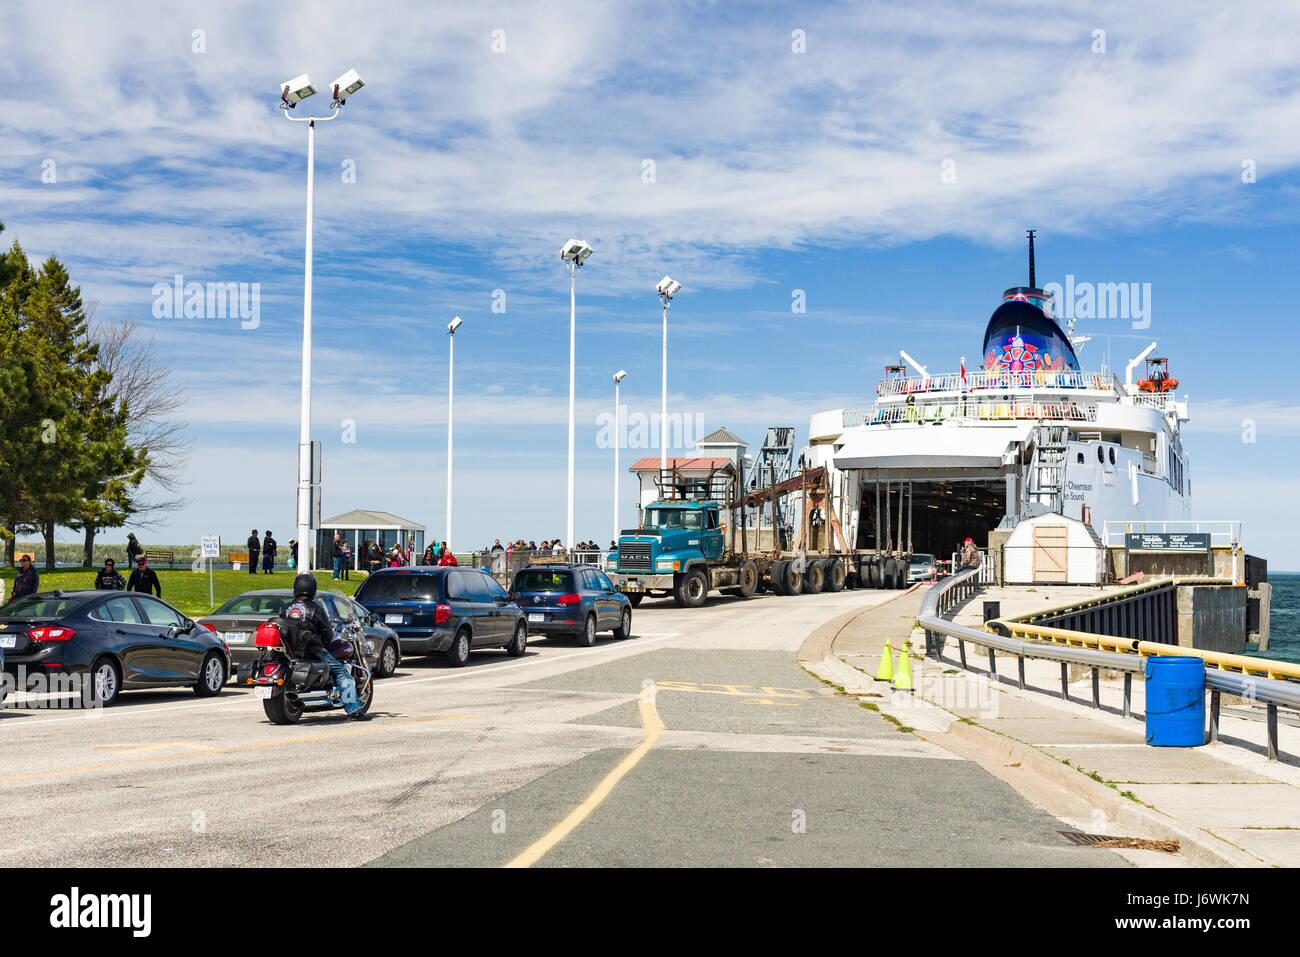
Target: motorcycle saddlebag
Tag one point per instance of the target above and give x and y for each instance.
(310, 674)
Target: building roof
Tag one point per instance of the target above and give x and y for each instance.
(362, 519)
(722, 437)
(682, 465)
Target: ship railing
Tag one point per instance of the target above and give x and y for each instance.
(1224, 534)
(983, 381)
(971, 409)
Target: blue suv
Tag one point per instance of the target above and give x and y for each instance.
(569, 599)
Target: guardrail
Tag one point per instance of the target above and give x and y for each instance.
(1241, 675)
(941, 599)
(975, 381)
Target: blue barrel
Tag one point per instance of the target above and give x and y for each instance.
(1175, 692)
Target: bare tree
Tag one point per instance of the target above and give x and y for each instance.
(154, 402)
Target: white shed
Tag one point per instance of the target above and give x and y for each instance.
(1049, 549)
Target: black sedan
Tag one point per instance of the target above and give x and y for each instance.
(114, 641)
(238, 618)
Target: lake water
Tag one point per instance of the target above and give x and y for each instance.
(1284, 640)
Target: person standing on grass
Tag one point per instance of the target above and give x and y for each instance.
(133, 548)
(144, 578)
(28, 579)
(109, 578)
(336, 553)
(293, 553)
(254, 549)
(347, 560)
(269, 547)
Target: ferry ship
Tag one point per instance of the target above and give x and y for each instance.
(1027, 433)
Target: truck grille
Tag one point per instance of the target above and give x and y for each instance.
(634, 556)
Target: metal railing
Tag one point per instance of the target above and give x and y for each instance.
(976, 381)
(942, 598)
(1241, 675)
(1222, 534)
(971, 410)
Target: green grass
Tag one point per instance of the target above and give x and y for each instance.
(188, 590)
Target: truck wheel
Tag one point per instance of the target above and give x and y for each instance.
(891, 574)
(635, 597)
(776, 578)
(833, 573)
(877, 575)
(793, 579)
(814, 578)
(691, 589)
(748, 579)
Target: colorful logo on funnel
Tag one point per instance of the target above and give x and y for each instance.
(1019, 355)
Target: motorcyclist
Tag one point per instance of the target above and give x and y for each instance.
(316, 635)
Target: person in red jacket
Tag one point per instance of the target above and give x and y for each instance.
(445, 557)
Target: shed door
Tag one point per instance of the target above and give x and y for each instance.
(1050, 553)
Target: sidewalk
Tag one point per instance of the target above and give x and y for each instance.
(1225, 802)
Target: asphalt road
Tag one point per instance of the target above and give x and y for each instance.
(698, 741)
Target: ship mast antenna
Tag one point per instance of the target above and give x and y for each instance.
(1032, 284)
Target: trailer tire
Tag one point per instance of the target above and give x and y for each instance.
(877, 575)
(814, 578)
(793, 579)
(691, 589)
(833, 575)
(776, 578)
(891, 575)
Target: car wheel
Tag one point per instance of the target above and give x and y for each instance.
(624, 629)
(519, 643)
(458, 654)
(105, 681)
(587, 637)
(212, 676)
(387, 661)
(281, 710)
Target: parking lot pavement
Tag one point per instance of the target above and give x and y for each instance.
(757, 763)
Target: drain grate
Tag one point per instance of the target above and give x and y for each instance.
(1081, 839)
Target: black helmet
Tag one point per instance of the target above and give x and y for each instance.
(304, 586)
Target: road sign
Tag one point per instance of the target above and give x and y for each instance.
(211, 545)
(1168, 541)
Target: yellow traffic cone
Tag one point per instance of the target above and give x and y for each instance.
(903, 680)
(886, 670)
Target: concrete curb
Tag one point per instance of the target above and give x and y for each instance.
(819, 645)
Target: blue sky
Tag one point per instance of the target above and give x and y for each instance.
(774, 171)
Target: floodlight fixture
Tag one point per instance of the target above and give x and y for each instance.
(575, 251)
(345, 86)
(299, 88)
(668, 287)
(620, 375)
(455, 324)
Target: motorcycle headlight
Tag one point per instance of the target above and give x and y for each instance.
(370, 647)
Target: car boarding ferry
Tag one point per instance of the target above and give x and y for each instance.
(1027, 433)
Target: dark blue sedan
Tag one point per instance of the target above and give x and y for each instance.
(111, 640)
(570, 599)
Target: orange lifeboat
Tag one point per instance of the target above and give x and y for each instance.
(1157, 379)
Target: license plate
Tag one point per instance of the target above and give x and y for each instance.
(236, 637)
(262, 691)
(536, 617)
(394, 619)
(8, 641)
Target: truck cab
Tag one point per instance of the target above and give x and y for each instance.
(672, 552)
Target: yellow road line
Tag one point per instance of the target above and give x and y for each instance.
(654, 727)
(234, 750)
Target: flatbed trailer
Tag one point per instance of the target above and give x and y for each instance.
(694, 547)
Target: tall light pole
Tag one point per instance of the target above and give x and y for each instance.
(667, 288)
(575, 253)
(292, 93)
(619, 376)
(451, 368)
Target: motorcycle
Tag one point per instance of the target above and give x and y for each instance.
(288, 687)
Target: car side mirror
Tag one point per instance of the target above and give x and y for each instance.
(172, 631)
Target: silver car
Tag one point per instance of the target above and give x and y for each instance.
(923, 568)
(238, 618)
